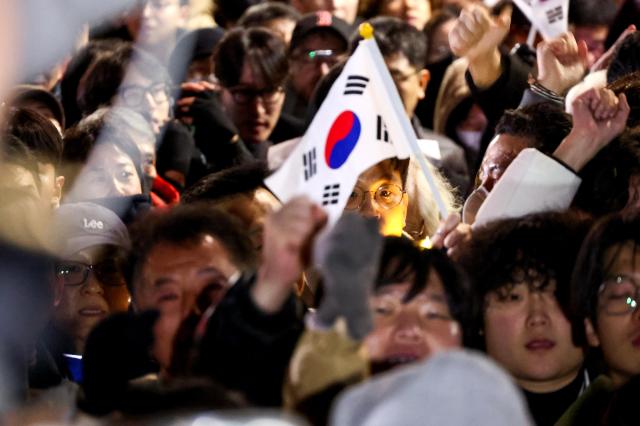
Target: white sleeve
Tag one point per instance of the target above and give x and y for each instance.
(532, 183)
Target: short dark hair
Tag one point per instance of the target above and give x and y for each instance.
(37, 133)
(534, 250)
(260, 14)
(105, 75)
(262, 50)
(14, 151)
(626, 59)
(76, 69)
(403, 261)
(395, 36)
(591, 13)
(227, 12)
(591, 266)
(100, 127)
(545, 124)
(242, 179)
(184, 225)
(605, 179)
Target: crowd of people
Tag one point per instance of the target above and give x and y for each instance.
(149, 274)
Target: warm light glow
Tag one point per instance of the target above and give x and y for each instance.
(426, 243)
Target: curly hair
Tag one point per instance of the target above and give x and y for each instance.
(536, 250)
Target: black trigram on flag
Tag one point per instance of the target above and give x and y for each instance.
(331, 194)
(356, 85)
(310, 165)
(381, 130)
(555, 14)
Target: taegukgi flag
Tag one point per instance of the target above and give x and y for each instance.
(356, 127)
(549, 17)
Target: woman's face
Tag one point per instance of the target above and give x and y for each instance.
(379, 192)
(414, 330)
(617, 331)
(109, 172)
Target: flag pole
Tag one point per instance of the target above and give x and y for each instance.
(366, 32)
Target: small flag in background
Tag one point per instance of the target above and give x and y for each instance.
(549, 17)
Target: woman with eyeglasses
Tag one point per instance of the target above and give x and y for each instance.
(605, 297)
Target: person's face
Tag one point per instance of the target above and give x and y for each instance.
(201, 69)
(172, 277)
(414, 330)
(252, 211)
(147, 147)
(500, 153)
(160, 20)
(344, 9)
(253, 107)
(439, 42)
(85, 296)
(283, 27)
(617, 331)
(527, 333)
(50, 184)
(313, 59)
(410, 82)
(595, 38)
(109, 172)
(149, 98)
(379, 193)
(414, 12)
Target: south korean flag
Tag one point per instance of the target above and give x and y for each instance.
(549, 17)
(355, 128)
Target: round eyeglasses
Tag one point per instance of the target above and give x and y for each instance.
(385, 197)
(619, 295)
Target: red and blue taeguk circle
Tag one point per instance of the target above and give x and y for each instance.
(342, 139)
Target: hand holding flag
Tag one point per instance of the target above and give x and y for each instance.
(360, 123)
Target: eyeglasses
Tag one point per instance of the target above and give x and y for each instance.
(619, 295)
(73, 274)
(245, 95)
(399, 78)
(133, 96)
(386, 197)
(315, 57)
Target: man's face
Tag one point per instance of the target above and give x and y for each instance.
(344, 9)
(253, 107)
(617, 331)
(414, 12)
(86, 296)
(172, 277)
(312, 59)
(109, 172)
(414, 330)
(410, 82)
(379, 193)
(149, 98)
(160, 21)
(527, 333)
(500, 153)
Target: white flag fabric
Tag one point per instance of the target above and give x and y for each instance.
(549, 17)
(357, 126)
